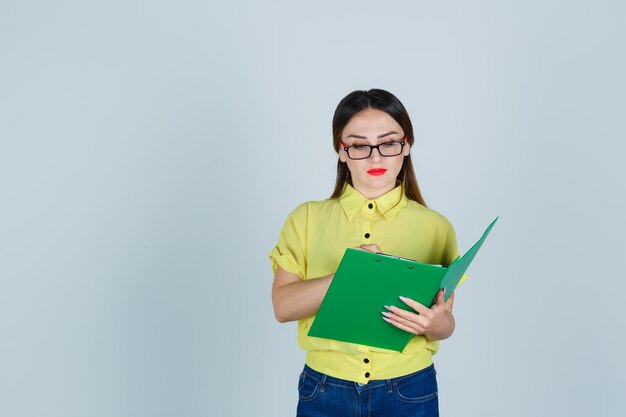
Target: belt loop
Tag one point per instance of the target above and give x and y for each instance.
(389, 386)
(323, 383)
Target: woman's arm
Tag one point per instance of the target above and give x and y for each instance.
(435, 323)
(294, 298)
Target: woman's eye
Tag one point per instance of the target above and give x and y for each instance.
(387, 144)
(359, 147)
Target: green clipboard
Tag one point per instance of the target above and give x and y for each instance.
(366, 281)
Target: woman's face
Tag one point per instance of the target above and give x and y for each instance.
(376, 175)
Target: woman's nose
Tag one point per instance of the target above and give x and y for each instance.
(375, 155)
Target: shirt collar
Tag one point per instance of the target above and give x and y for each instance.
(388, 204)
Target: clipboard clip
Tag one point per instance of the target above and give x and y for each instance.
(394, 256)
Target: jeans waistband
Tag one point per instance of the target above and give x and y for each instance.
(327, 379)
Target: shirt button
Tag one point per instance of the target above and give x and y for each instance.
(367, 374)
(366, 360)
(370, 205)
(367, 235)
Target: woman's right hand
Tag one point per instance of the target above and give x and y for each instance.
(370, 247)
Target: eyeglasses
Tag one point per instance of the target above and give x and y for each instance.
(384, 149)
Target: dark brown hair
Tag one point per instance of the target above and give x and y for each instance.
(353, 104)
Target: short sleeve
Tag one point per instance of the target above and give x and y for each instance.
(451, 250)
(290, 251)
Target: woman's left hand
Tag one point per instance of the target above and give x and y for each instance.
(435, 323)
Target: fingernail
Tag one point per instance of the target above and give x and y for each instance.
(402, 298)
(386, 319)
(386, 314)
(388, 307)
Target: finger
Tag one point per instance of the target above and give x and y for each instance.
(407, 317)
(450, 302)
(420, 308)
(440, 297)
(402, 324)
(370, 247)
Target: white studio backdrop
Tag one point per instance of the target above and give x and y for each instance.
(150, 152)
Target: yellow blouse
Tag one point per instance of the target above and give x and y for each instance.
(311, 244)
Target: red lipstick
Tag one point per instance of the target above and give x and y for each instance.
(377, 171)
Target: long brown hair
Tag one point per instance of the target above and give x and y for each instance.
(353, 104)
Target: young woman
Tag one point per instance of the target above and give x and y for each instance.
(376, 206)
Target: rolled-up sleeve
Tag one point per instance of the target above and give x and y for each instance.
(290, 251)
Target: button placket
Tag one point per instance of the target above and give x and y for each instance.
(367, 368)
(369, 211)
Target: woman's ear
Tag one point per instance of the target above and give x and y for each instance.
(342, 155)
(407, 149)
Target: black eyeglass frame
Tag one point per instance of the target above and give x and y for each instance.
(377, 147)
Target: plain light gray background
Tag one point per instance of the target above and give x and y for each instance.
(150, 151)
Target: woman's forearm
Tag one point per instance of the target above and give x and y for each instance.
(299, 299)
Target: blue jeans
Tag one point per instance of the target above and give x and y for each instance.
(411, 395)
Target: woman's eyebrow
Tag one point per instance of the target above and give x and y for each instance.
(365, 137)
(387, 134)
